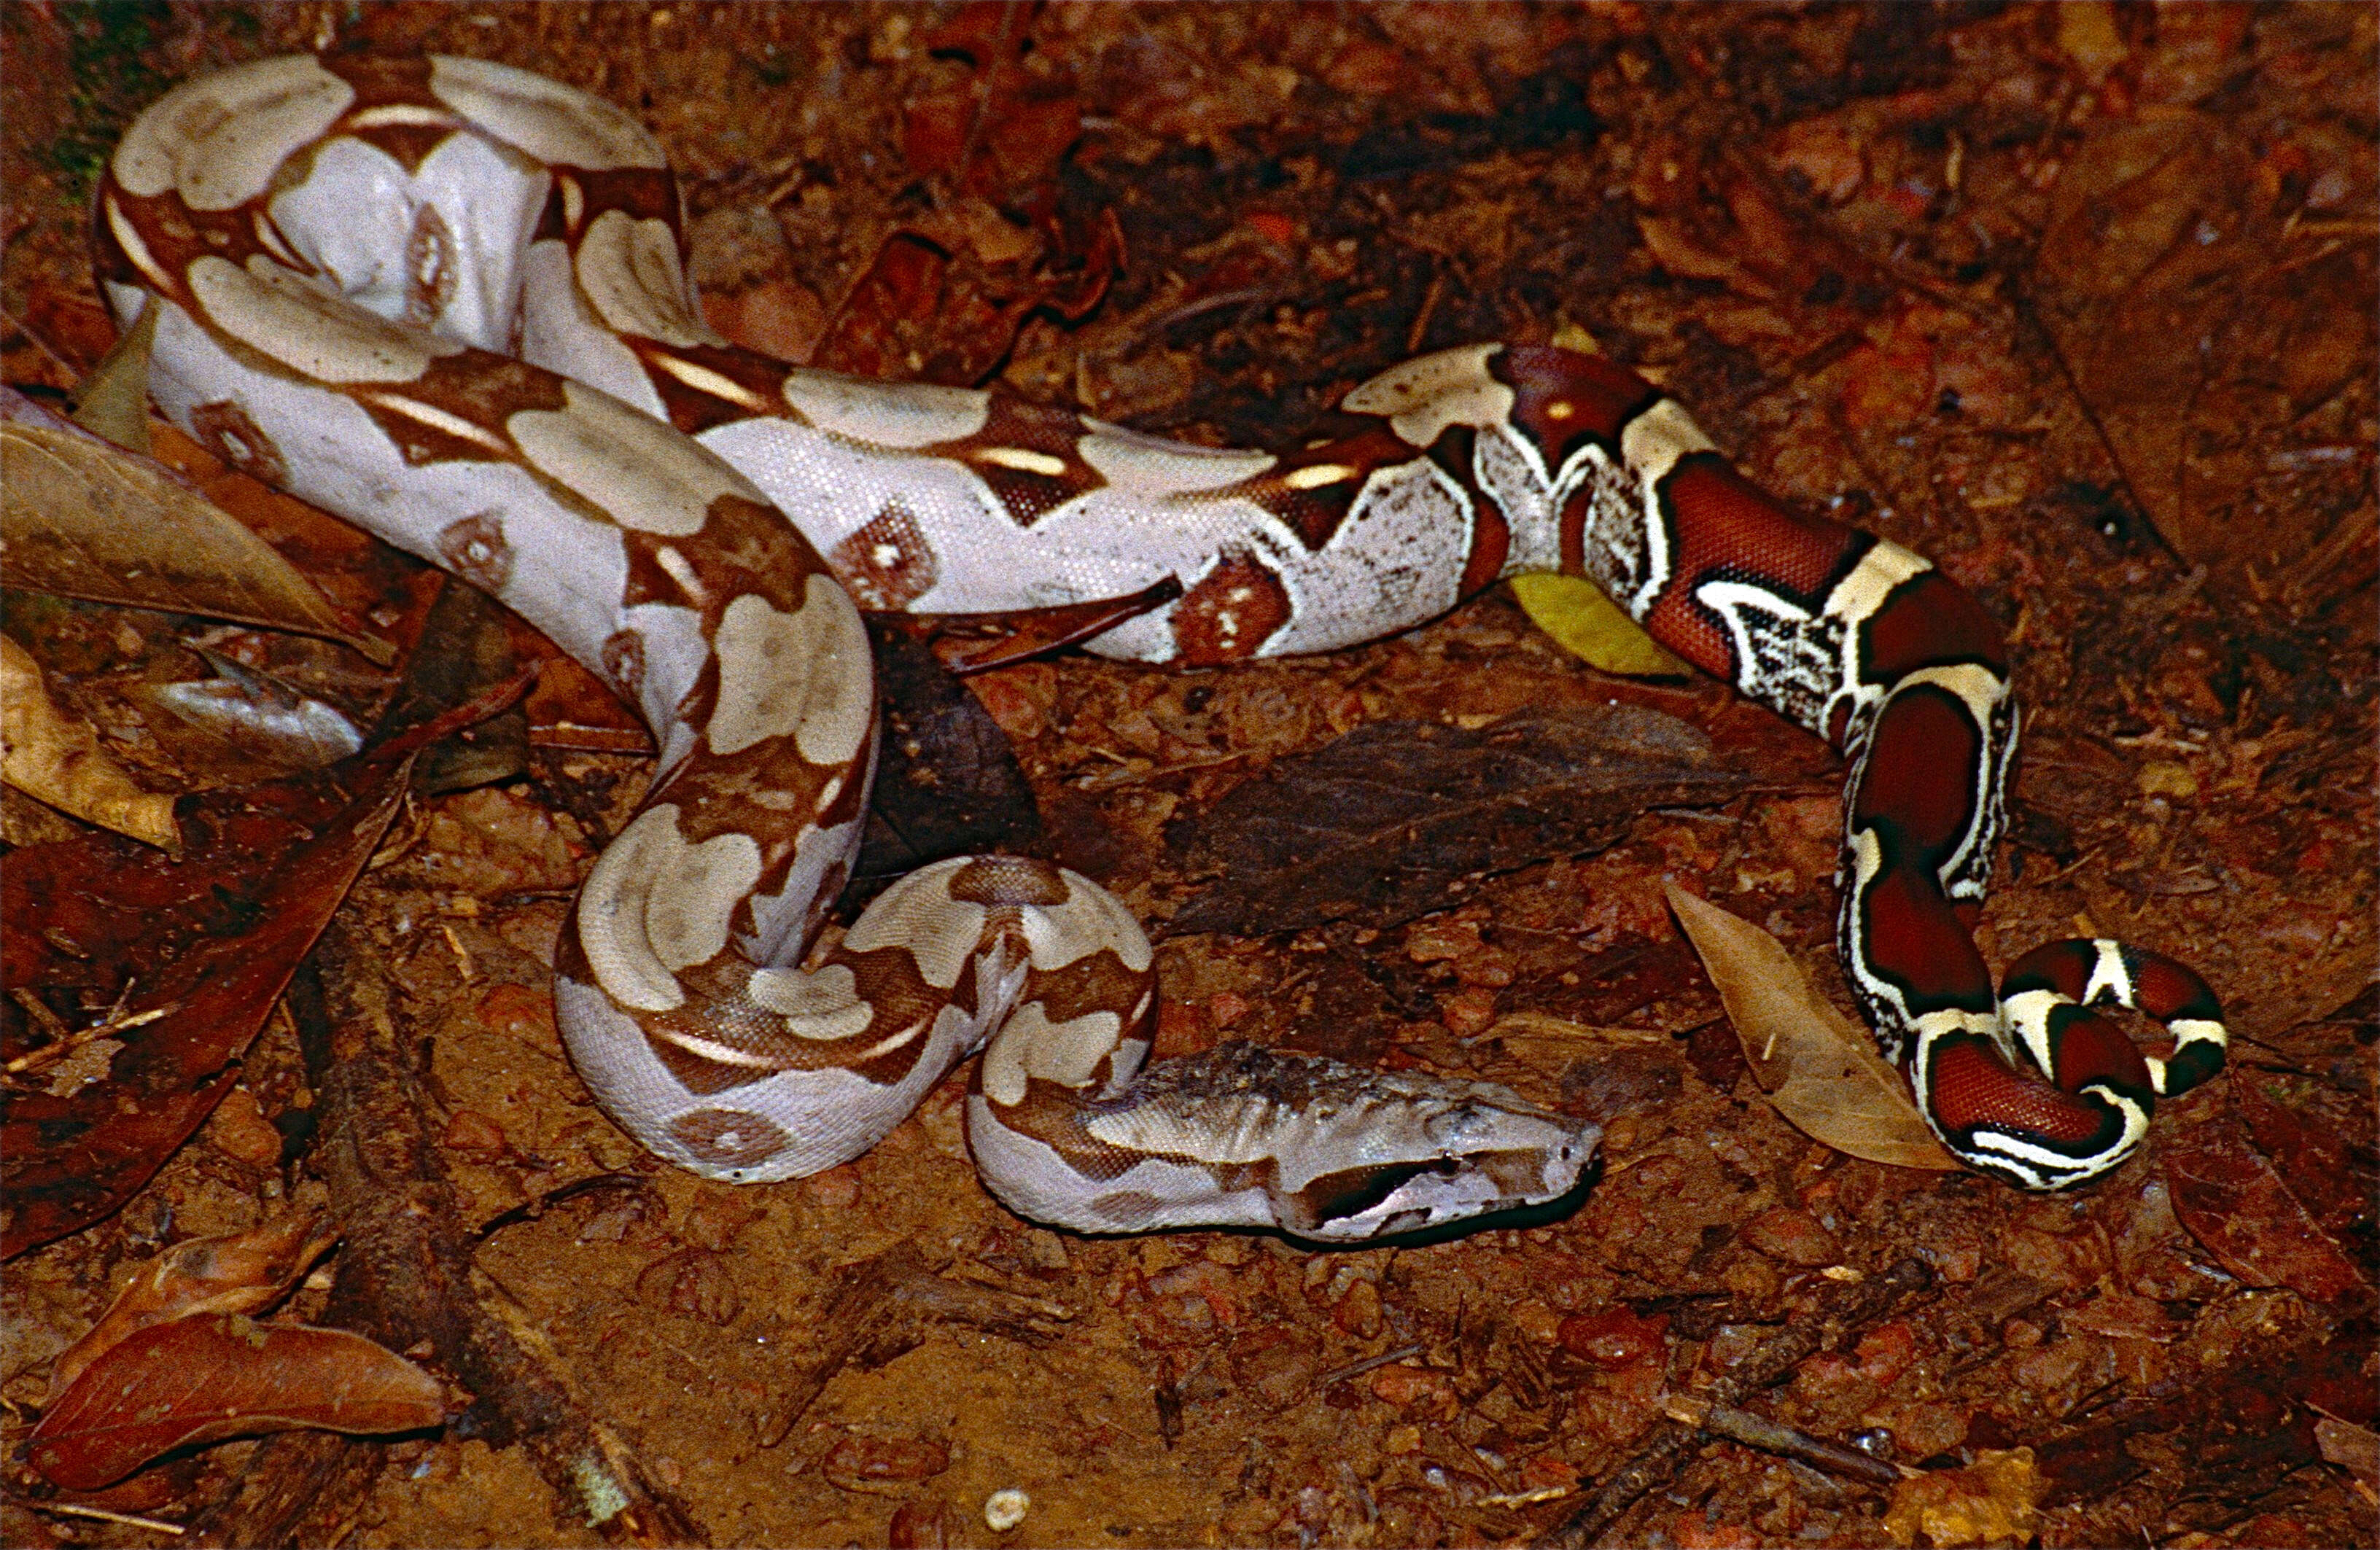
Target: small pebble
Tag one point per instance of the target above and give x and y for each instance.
(1003, 1510)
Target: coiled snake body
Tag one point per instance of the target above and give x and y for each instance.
(445, 299)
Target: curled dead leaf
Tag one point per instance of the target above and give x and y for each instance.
(236, 1273)
(200, 1380)
(259, 717)
(218, 933)
(84, 518)
(49, 755)
(2241, 1210)
(1822, 1073)
(113, 401)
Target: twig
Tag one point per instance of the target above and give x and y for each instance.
(1847, 1306)
(1775, 1436)
(1419, 331)
(987, 77)
(1970, 1326)
(108, 1027)
(530, 1210)
(406, 1277)
(67, 1509)
(19, 325)
(1357, 1369)
(877, 1311)
(292, 1483)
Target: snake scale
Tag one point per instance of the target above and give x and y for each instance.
(446, 299)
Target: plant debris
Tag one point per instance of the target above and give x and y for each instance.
(2075, 300)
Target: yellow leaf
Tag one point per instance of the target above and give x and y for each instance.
(1592, 627)
(1822, 1073)
(2087, 35)
(1995, 1501)
(1576, 340)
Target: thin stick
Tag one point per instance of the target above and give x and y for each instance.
(51, 1053)
(1775, 1436)
(1357, 1369)
(68, 1509)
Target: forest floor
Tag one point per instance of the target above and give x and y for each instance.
(2078, 300)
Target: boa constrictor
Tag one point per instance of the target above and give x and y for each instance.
(445, 299)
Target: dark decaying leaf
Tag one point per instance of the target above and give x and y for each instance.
(2159, 220)
(2240, 1209)
(465, 649)
(944, 295)
(1390, 821)
(972, 643)
(217, 1376)
(1822, 1073)
(86, 519)
(947, 783)
(2254, 1416)
(235, 1273)
(2311, 1131)
(188, 956)
(938, 309)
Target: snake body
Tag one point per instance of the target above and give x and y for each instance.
(445, 300)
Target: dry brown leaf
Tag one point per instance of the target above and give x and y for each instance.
(84, 518)
(217, 1376)
(2354, 1448)
(1397, 818)
(49, 755)
(1822, 1073)
(237, 1272)
(113, 401)
(215, 934)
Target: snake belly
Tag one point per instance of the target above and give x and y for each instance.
(445, 299)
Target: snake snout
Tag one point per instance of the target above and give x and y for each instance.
(1508, 1159)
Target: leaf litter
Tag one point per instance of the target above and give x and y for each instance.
(236, 1273)
(1858, 191)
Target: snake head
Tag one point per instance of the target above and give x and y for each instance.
(1423, 1152)
(1239, 1136)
